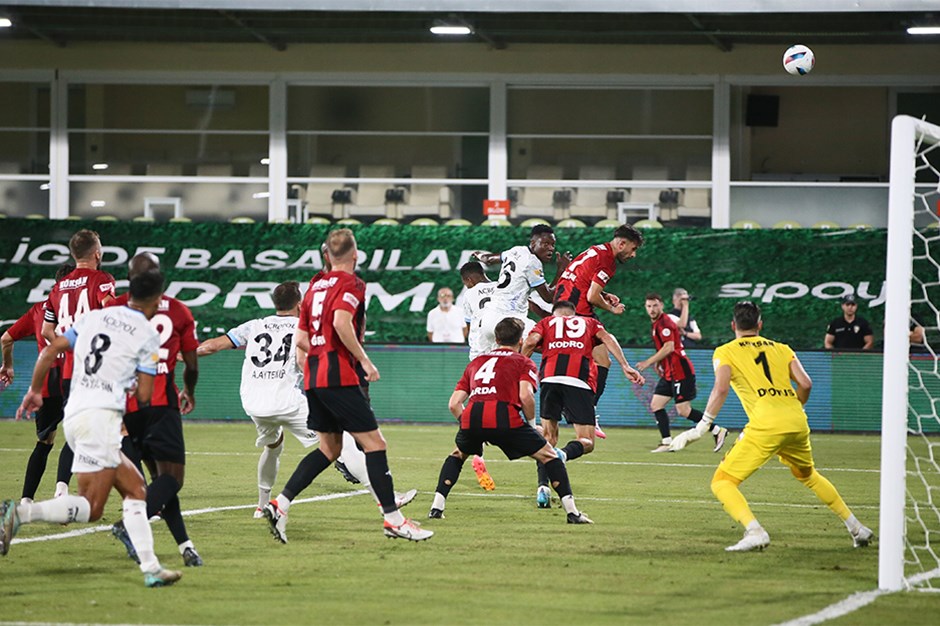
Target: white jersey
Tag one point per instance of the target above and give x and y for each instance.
(475, 300)
(521, 271)
(110, 346)
(272, 384)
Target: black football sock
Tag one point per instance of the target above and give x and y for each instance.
(381, 478)
(159, 493)
(64, 472)
(573, 449)
(695, 416)
(450, 472)
(558, 475)
(309, 468)
(174, 520)
(601, 382)
(35, 468)
(662, 421)
(543, 477)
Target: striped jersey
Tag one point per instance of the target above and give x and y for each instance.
(567, 343)
(676, 366)
(329, 362)
(492, 382)
(598, 265)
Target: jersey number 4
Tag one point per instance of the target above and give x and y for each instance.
(66, 320)
(283, 352)
(488, 371)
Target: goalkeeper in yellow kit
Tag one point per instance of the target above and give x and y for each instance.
(760, 370)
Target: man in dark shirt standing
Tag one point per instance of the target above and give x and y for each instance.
(849, 332)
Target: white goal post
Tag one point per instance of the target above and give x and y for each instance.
(915, 147)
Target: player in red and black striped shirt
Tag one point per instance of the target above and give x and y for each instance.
(677, 375)
(583, 283)
(331, 321)
(569, 376)
(50, 414)
(156, 431)
(498, 387)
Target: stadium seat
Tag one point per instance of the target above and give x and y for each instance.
(3, 216)
(648, 224)
(181, 220)
(647, 195)
(787, 224)
(371, 198)
(607, 224)
(73, 218)
(746, 225)
(427, 199)
(386, 221)
(592, 201)
(540, 201)
(241, 220)
(424, 221)
(496, 223)
(36, 216)
(142, 218)
(321, 198)
(532, 221)
(570, 223)
(862, 226)
(106, 218)
(458, 222)
(696, 202)
(348, 221)
(316, 220)
(826, 225)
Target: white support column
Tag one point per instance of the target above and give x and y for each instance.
(897, 345)
(721, 155)
(59, 149)
(277, 151)
(498, 153)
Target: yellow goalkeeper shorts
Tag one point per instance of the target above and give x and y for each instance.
(753, 450)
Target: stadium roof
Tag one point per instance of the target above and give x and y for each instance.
(497, 23)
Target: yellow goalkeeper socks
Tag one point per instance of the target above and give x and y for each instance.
(725, 488)
(827, 492)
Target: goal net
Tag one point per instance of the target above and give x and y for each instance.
(909, 548)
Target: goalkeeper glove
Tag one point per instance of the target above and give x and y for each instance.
(684, 438)
(705, 423)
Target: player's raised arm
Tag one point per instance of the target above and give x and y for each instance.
(595, 296)
(804, 384)
(343, 324)
(527, 399)
(486, 258)
(613, 346)
(455, 404)
(216, 344)
(531, 342)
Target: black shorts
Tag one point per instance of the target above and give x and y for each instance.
(157, 433)
(48, 417)
(66, 387)
(335, 409)
(575, 403)
(679, 390)
(514, 442)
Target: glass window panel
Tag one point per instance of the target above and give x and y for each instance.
(584, 158)
(461, 157)
(846, 205)
(24, 152)
(198, 201)
(167, 154)
(609, 111)
(24, 104)
(19, 198)
(432, 109)
(178, 107)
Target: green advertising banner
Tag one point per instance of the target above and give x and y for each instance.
(225, 272)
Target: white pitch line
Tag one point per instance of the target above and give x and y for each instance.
(98, 529)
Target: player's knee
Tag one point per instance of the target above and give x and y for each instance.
(684, 409)
(721, 480)
(802, 474)
(588, 444)
(49, 440)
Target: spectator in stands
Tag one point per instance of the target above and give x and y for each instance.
(445, 321)
(688, 327)
(849, 332)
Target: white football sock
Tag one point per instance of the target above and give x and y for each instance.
(355, 460)
(60, 510)
(282, 502)
(439, 501)
(852, 523)
(264, 496)
(61, 489)
(754, 525)
(395, 518)
(268, 465)
(567, 502)
(138, 529)
(186, 544)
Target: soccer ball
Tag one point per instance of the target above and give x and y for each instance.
(799, 59)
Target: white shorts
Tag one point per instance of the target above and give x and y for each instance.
(488, 329)
(269, 428)
(95, 437)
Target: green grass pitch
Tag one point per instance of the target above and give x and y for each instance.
(654, 556)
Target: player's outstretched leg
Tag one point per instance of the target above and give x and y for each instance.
(725, 488)
(35, 468)
(828, 494)
(268, 465)
(450, 473)
(483, 477)
(558, 477)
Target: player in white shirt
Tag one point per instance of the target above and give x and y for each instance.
(445, 322)
(521, 271)
(478, 294)
(115, 349)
